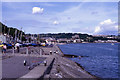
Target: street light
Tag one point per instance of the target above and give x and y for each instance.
(21, 35)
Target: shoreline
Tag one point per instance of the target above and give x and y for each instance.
(85, 43)
(98, 78)
(79, 65)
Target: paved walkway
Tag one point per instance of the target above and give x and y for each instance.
(14, 68)
(39, 71)
(61, 68)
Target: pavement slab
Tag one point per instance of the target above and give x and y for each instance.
(14, 68)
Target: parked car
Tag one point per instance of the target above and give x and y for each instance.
(33, 44)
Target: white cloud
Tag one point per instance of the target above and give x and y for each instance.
(37, 10)
(55, 22)
(97, 29)
(108, 26)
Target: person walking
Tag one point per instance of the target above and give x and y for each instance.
(4, 49)
(17, 46)
(13, 46)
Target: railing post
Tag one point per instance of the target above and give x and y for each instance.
(27, 51)
(40, 52)
(13, 50)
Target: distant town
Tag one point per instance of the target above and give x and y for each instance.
(9, 34)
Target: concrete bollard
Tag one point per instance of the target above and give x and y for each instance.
(25, 62)
(29, 67)
(54, 51)
(50, 52)
(45, 63)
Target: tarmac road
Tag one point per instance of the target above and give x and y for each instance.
(13, 67)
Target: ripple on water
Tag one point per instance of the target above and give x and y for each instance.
(102, 60)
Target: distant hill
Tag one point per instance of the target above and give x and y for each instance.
(85, 37)
(65, 35)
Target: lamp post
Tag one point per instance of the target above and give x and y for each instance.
(15, 35)
(21, 35)
(4, 26)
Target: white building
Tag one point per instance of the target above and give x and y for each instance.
(3, 38)
(75, 37)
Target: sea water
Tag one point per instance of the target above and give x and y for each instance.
(100, 59)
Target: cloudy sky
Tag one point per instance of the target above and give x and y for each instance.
(57, 17)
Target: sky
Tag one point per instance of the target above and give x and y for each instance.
(97, 18)
(60, 0)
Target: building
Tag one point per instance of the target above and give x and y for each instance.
(3, 38)
(75, 37)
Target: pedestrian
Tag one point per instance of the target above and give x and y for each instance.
(12, 44)
(17, 46)
(4, 49)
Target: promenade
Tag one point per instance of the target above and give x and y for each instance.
(57, 66)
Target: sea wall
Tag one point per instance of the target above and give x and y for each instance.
(65, 68)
